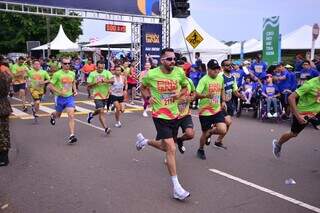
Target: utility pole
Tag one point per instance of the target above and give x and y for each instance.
(48, 35)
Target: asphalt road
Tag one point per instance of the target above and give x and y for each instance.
(107, 174)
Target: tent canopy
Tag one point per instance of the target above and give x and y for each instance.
(60, 42)
(236, 48)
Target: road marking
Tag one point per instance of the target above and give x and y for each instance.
(81, 109)
(20, 114)
(91, 125)
(46, 109)
(276, 194)
(134, 106)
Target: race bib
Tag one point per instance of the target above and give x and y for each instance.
(215, 99)
(228, 94)
(258, 68)
(167, 98)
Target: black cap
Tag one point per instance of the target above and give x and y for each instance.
(213, 64)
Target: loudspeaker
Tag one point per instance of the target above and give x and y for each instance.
(180, 8)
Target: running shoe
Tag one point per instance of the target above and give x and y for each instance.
(220, 145)
(107, 130)
(276, 148)
(141, 142)
(72, 139)
(25, 109)
(275, 115)
(52, 120)
(118, 125)
(89, 117)
(201, 154)
(181, 147)
(269, 115)
(180, 194)
(33, 111)
(145, 114)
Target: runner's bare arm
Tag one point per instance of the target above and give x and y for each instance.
(293, 105)
(74, 88)
(54, 89)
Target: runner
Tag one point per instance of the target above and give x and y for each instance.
(86, 69)
(147, 67)
(210, 91)
(99, 82)
(19, 71)
(306, 110)
(163, 86)
(184, 119)
(230, 89)
(64, 86)
(118, 90)
(38, 78)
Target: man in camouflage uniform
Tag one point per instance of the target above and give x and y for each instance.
(5, 111)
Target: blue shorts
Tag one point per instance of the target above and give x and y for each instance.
(64, 102)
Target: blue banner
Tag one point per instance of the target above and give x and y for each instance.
(130, 7)
(151, 42)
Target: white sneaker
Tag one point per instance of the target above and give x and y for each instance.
(118, 125)
(145, 114)
(275, 115)
(141, 142)
(180, 194)
(269, 115)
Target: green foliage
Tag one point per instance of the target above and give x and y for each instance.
(16, 29)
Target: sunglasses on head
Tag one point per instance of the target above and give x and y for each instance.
(169, 59)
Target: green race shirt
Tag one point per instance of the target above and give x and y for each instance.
(19, 69)
(63, 81)
(100, 91)
(309, 97)
(36, 77)
(162, 87)
(208, 85)
(184, 106)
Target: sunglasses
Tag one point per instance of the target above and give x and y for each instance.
(269, 77)
(66, 63)
(227, 65)
(169, 59)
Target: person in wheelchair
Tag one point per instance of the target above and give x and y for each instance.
(248, 89)
(270, 92)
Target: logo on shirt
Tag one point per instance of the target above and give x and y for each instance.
(215, 87)
(167, 86)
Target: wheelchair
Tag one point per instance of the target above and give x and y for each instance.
(262, 110)
(253, 106)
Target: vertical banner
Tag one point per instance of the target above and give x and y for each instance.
(271, 40)
(151, 42)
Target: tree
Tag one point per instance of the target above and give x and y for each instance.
(16, 29)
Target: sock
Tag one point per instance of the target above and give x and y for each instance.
(175, 182)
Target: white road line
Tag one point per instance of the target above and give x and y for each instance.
(276, 194)
(46, 109)
(20, 113)
(134, 106)
(89, 103)
(85, 123)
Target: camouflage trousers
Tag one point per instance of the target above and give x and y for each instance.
(4, 134)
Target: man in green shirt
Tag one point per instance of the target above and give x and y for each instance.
(64, 86)
(38, 79)
(99, 82)
(210, 91)
(19, 72)
(164, 86)
(307, 110)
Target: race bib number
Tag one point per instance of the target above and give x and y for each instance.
(167, 99)
(215, 99)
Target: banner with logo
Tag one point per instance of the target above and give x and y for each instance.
(271, 40)
(151, 42)
(130, 7)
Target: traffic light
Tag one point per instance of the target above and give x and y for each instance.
(180, 8)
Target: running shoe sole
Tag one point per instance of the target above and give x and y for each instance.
(274, 146)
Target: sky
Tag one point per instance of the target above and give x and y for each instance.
(236, 20)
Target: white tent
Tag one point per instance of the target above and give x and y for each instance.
(60, 42)
(299, 39)
(236, 48)
(209, 48)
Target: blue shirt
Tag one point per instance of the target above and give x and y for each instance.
(251, 85)
(270, 90)
(307, 74)
(293, 81)
(239, 75)
(283, 84)
(195, 77)
(259, 69)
